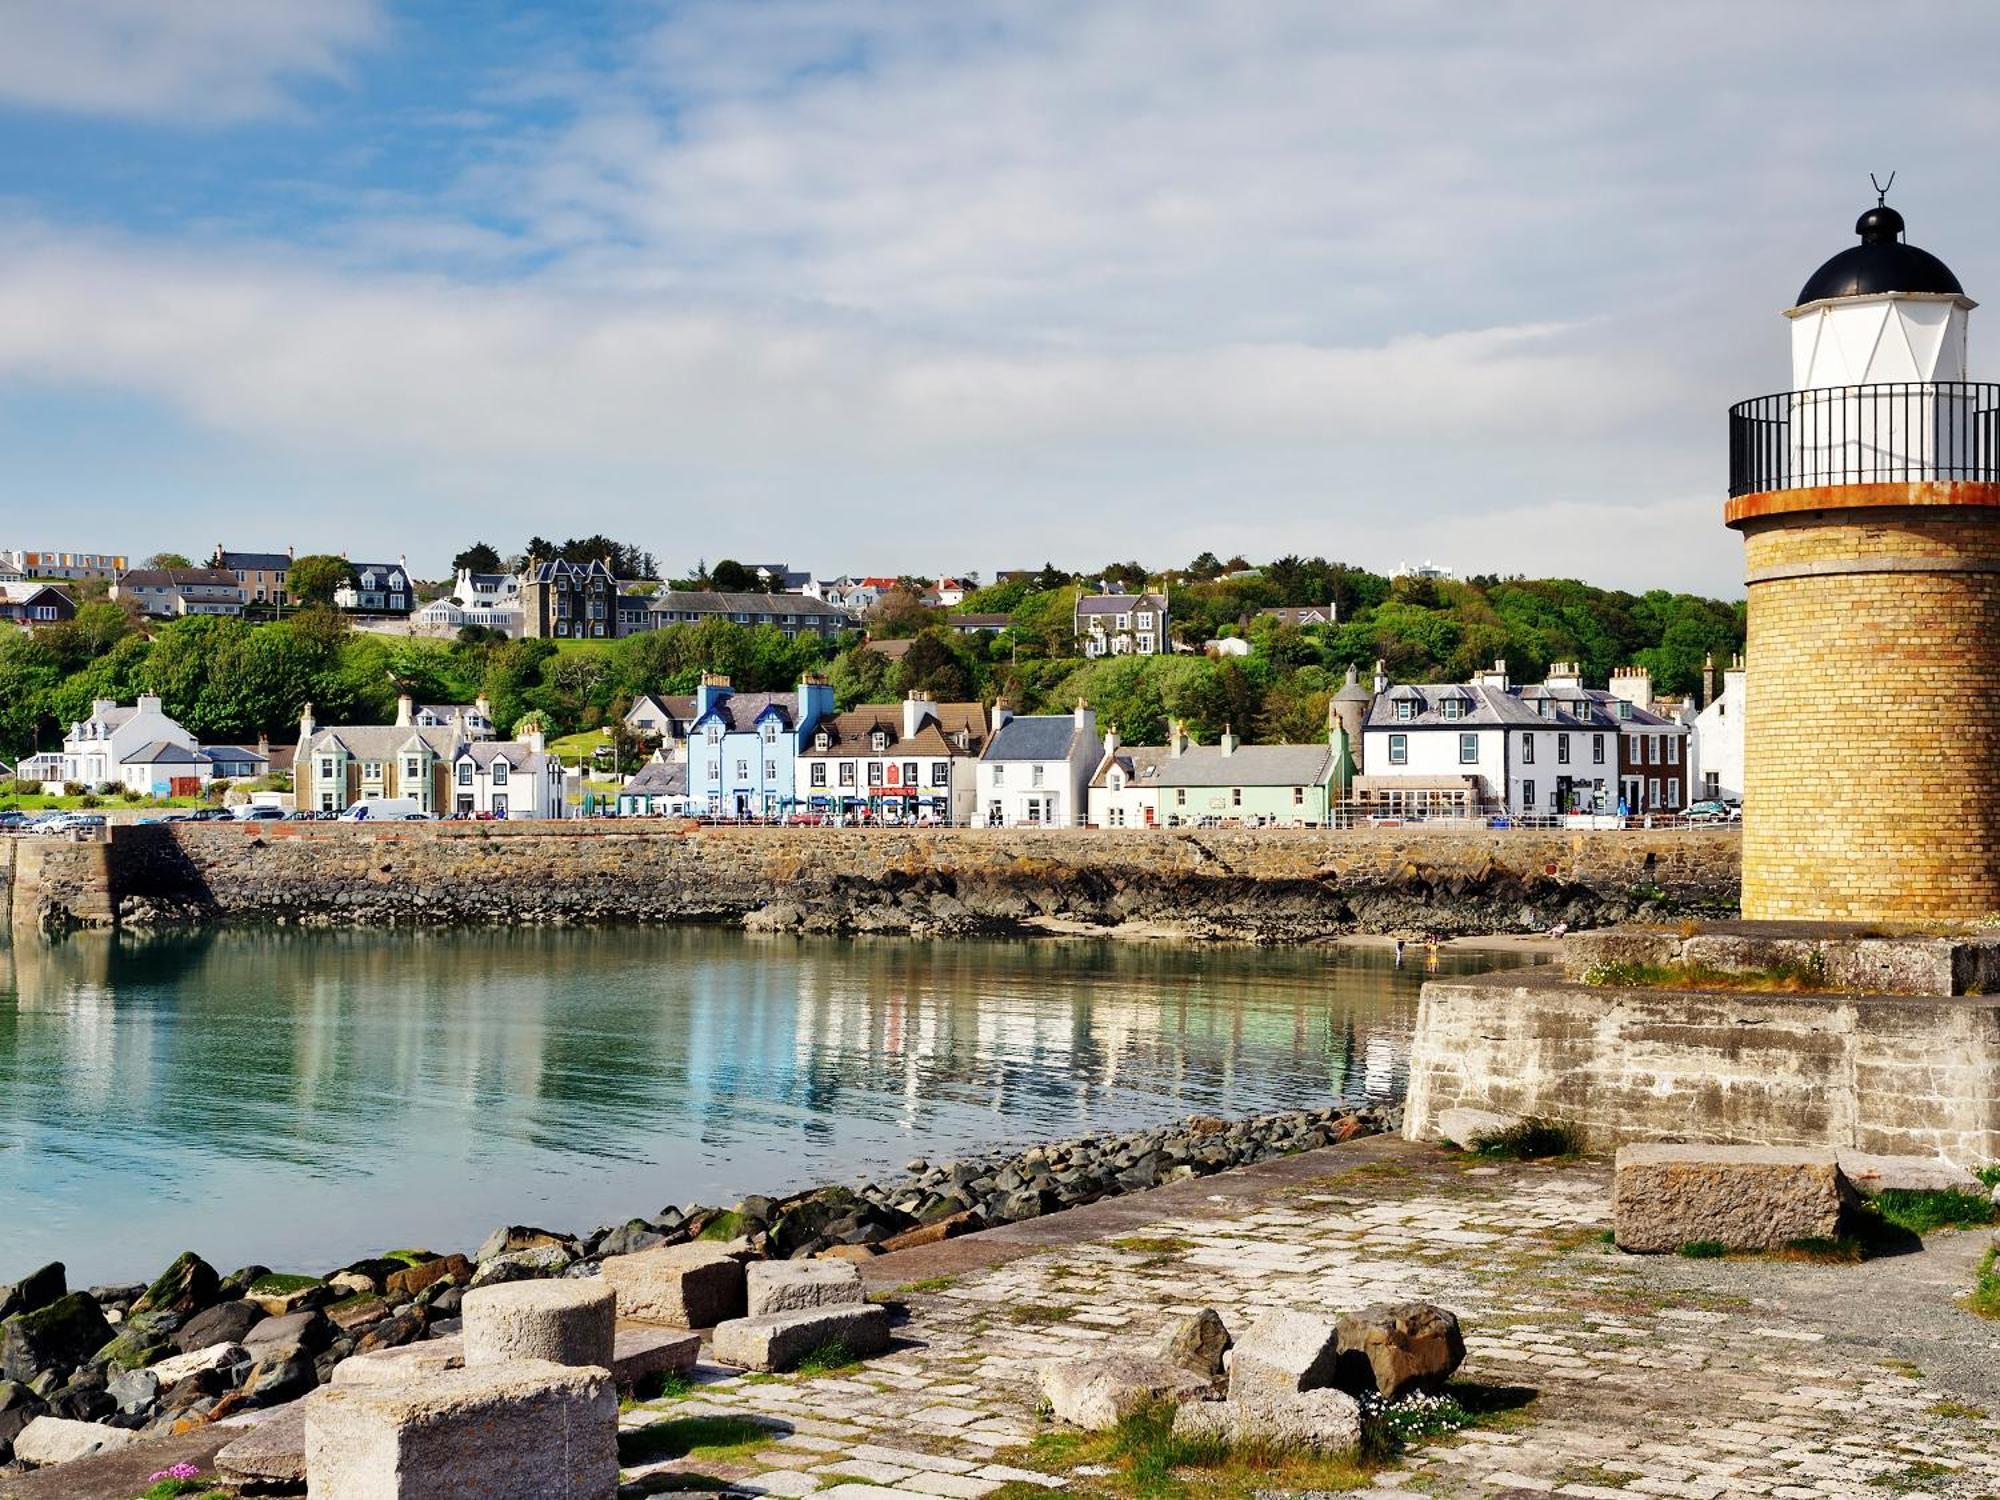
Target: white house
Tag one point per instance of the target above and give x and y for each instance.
(1037, 768)
(1125, 790)
(377, 589)
(665, 719)
(511, 779)
(913, 762)
(166, 593)
(1717, 743)
(96, 749)
(165, 769)
(475, 718)
(660, 789)
(489, 600)
(438, 767)
(1122, 624)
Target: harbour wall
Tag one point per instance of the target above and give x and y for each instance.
(1891, 1075)
(1250, 885)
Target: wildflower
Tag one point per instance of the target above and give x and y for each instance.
(178, 1471)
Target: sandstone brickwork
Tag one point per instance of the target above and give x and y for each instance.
(1869, 788)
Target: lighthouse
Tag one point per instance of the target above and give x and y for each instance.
(1868, 498)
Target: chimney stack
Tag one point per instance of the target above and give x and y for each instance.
(306, 726)
(1381, 677)
(1229, 741)
(1177, 739)
(1634, 685)
(406, 711)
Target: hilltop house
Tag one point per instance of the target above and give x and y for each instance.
(1036, 770)
(489, 600)
(917, 761)
(1122, 624)
(261, 575)
(166, 593)
(377, 589)
(743, 747)
(70, 565)
(663, 719)
(31, 604)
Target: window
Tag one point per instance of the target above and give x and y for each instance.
(1597, 749)
(1451, 707)
(499, 772)
(770, 732)
(1405, 710)
(1144, 618)
(326, 768)
(940, 773)
(1711, 784)
(1399, 749)
(1180, 796)
(874, 773)
(821, 740)
(1115, 818)
(412, 769)
(1653, 749)
(715, 734)
(1624, 709)
(819, 773)
(1298, 796)
(999, 775)
(1035, 774)
(1673, 749)
(1468, 749)
(878, 741)
(847, 773)
(465, 773)
(1527, 749)
(1562, 749)
(909, 773)
(1673, 793)
(770, 770)
(1125, 622)
(743, 770)
(372, 770)
(1652, 791)
(1527, 794)
(1236, 796)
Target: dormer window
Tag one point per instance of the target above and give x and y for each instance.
(1117, 782)
(770, 732)
(715, 734)
(878, 741)
(1453, 708)
(1624, 709)
(822, 740)
(1405, 710)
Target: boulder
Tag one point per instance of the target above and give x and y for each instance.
(965, 1221)
(215, 1357)
(295, 1333)
(1098, 1391)
(185, 1288)
(1465, 1127)
(779, 1286)
(521, 1265)
(1741, 1197)
(516, 1237)
(629, 1239)
(272, 1453)
(18, 1407)
(523, 1430)
(224, 1323)
(57, 1440)
(34, 1291)
(853, 1253)
(680, 1286)
(1323, 1422)
(780, 1340)
(406, 1283)
(1282, 1354)
(138, 1342)
(561, 1322)
(1920, 1174)
(134, 1390)
(1198, 1343)
(52, 1340)
(1392, 1349)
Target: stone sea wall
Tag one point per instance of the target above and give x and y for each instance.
(1255, 885)
(1887, 1075)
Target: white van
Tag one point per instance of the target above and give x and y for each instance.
(385, 810)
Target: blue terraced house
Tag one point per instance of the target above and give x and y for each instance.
(743, 748)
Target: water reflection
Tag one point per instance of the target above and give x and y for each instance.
(302, 1098)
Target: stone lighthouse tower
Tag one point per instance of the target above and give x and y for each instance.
(1868, 497)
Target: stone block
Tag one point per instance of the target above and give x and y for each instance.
(1198, 1343)
(180, 1366)
(58, 1440)
(680, 1286)
(564, 1322)
(1098, 1391)
(780, 1286)
(780, 1340)
(1463, 1127)
(1325, 1423)
(1876, 1174)
(1395, 1349)
(418, 1361)
(271, 1452)
(1742, 1197)
(644, 1351)
(524, 1430)
(1282, 1354)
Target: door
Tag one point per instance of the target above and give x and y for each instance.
(499, 804)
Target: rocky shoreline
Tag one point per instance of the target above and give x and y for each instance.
(195, 1346)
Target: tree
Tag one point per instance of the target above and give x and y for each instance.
(316, 578)
(1205, 567)
(932, 666)
(731, 577)
(168, 560)
(899, 613)
(478, 558)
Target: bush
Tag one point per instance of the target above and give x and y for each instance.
(90, 799)
(74, 789)
(1531, 1140)
(1704, 1250)
(1985, 1298)
(106, 789)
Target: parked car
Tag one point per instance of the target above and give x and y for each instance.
(260, 815)
(1715, 811)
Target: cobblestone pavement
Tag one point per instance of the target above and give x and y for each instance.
(1648, 1376)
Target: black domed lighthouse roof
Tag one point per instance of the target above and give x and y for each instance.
(1880, 263)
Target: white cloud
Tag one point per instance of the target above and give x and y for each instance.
(179, 60)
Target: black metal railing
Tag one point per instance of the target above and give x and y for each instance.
(1901, 433)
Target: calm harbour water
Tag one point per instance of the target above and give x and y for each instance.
(302, 1099)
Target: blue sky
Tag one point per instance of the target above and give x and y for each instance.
(882, 285)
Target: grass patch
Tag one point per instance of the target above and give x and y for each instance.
(1808, 976)
(1985, 1297)
(1959, 1410)
(1039, 1314)
(1703, 1250)
(1818, 1250)
(668, 1385)
(1924, 1211)
(717, 1439)
(1142, 1244)
(1988, 1174)
(1922, 1472)
(169, 1489)
(930, 1284)
(831, 1358)
(1532, 1140)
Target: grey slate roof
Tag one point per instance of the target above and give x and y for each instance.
(1250, 765)
(1140, 763)
(740, 711)
(1118, 604)
(255, 562)
(1487, 707)
(516, 754)
(658, 778)
(1033, 737)
(165, 753)
(382, 741)
(702, 601)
